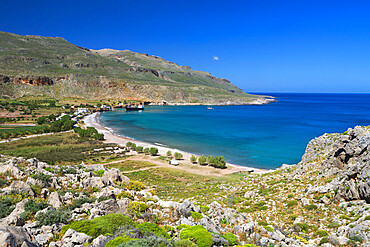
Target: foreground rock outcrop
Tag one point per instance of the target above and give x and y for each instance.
(323, 200)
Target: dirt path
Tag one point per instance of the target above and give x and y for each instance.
(183, 166)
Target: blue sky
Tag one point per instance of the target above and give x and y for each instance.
(261, 46)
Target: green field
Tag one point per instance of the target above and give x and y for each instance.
(56, 148)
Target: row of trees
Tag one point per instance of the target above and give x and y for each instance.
(215, 161)
(152, 150)
(89, 132)
(176, 155)
(64, 124)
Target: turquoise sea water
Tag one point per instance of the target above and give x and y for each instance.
(265, 136)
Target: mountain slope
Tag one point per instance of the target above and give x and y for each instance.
(53, 66)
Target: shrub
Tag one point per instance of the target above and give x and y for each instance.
(53, 216)
(193, 159)
(197, 234)
(262, 223)
(356, 238)
(184, 243)
(204, 209)
(135, 185)
(118, 241)
(129, 144)
(311, 207)
(196, 216)
(216, 161)
(269, 228)
(154, 228)
(32, 206)
(153, 151)
(76, 203)
(139, 149)
(344, 217)
(169, 153)
(202, 160)
(324, 240)
(292, 203)
(7, 203)
(146, 151)
(169, 229)
(231, 239)
(135, 208)
(306, 227)
(125, 194)
(333, 225)
(367, 217)
(178, 156)
(42, 177)
(99, 173)
(104, 225)
(182, 226)
(151, 241)
(321, 233)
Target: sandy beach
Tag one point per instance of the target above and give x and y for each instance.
(110, 137)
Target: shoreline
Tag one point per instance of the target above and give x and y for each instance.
(258, 101)
(91, 120)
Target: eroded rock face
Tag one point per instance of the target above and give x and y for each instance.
(4, 79)
(115, 174)
(15, 237)
(34, 80)
(21, 187)
(346, 157)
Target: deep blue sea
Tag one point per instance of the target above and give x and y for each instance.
(264, 136)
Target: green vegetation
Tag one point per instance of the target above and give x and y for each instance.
(65, 147)
(153, 151)
(135, 185)
(231, 239)
(32, 206)
(136, 208)
(7, 204)
(154, 228)
(199, 235)
(118, 241)
(125, 194)
(89, 132)
(104, 225)
(193, 159)
(178, 156)
(202, 160)
(131, 165)
(321, 233)
(139, 149)
(54, 216)
(196, 216)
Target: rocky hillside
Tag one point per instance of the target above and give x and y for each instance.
(323, 200)
(54, 67)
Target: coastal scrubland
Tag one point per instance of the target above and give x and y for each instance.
(114, 196)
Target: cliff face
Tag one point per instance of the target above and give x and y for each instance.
(34, 80)
(343, 158)
(45, 62)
